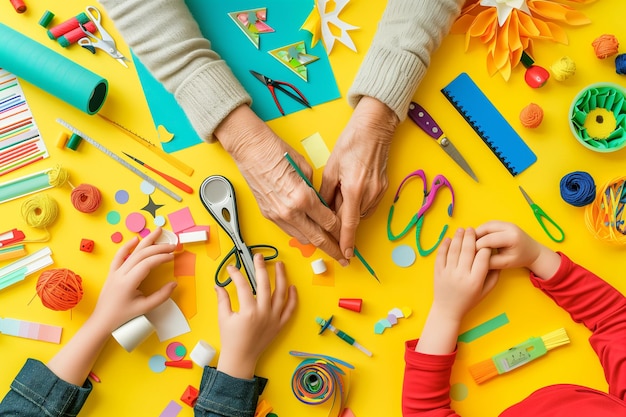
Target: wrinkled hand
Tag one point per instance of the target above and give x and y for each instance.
(120, 299)
(282, 195)
(246, 333)
(514, 248)
(462, 276)
(355, 176)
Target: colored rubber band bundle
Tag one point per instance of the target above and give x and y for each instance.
(605, 216)
(578, 188)
(59, 289)
(319, 379)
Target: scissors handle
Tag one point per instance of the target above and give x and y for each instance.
(425, 121)
(542, 218)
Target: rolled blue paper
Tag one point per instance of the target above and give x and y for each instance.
(52, 72)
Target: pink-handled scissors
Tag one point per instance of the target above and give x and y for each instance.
(418, 218)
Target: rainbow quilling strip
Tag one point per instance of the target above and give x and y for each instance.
(320, 378)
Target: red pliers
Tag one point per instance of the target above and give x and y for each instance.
(273, 85)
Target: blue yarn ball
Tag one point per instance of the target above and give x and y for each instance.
(620, 64)
(578, 188)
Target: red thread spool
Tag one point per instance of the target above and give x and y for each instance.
(86, 198)
(19, 6)
(59, 289)
(64, 27)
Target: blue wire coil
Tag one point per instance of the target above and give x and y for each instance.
(578, 188)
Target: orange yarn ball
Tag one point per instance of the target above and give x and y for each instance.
(59, 289)
(86, 198)
(605, 46)
(531, 116)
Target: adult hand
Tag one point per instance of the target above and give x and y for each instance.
(514, 248)
(120, 299)
(246, 333)
(282, 195)
(355, 176)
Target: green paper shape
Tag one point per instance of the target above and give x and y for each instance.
(295, 58)
(254, 25)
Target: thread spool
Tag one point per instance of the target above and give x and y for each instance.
(59, 289)
(605, 46)
(68, 25)
(18, 5)
(531, 116)
(73, 142)
(563, 68)
(620, 64)
(86, 198)
(604, 218)
(75, 34)
(578, 188)
(319, 267)
(132, 333)
(46, 19)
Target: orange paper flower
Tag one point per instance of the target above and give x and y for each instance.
(506, 43)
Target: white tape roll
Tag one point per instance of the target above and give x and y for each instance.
(132, 333)
(202, 354)
(319, 267)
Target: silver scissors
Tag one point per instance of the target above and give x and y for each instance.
(104, 42)
(218, 197)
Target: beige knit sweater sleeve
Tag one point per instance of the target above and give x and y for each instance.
(396, 61)
(168, 41)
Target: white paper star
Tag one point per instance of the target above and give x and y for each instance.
(505, 7)
(319, 21)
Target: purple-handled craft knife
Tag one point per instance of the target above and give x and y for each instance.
(428, 125)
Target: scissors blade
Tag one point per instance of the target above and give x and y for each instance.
(426, 122)
(526, 196)
(260, 77)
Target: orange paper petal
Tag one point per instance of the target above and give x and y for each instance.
(558, 33)
(482, 22)
(559, 12)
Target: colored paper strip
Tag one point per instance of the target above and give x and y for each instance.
(484, 328)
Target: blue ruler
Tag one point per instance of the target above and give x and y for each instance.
(489, 124)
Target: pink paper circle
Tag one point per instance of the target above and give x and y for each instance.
(176, 351)
(117, 237)
(135, 222)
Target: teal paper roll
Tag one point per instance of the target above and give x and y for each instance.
(51, 71)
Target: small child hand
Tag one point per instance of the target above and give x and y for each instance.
(514, 248)
(246, 333)
(462, 276)
(120, 299)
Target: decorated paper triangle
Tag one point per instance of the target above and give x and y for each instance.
(295, 58)
(252, 23)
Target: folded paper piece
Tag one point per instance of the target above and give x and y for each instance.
(168, 320)
(20, 269)
(508, 27)
(295, 58)
(320, 21)
(252, 23)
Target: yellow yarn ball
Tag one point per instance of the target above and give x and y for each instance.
(563, 68)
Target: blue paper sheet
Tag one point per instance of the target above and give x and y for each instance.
(227, 39)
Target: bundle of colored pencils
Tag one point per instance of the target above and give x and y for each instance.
(518, 355)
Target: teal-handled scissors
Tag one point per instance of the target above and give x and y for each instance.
(105, 42)
(542, 218)
(218, 197)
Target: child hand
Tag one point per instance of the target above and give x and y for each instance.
(120, 299)
(246, 333)
(462, 275)
(516, 249)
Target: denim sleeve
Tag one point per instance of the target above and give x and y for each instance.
(222, 395)
(37, 391)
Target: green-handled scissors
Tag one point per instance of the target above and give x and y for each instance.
(542, 217)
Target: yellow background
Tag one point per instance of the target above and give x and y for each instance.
(129, 388)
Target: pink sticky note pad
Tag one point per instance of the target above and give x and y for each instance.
(181, 220)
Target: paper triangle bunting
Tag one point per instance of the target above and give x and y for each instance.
(252, 23)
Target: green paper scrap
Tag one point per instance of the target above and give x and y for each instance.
(601, 97)
(483, 329)
(25, 185)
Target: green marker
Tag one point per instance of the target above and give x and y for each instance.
(306, 180)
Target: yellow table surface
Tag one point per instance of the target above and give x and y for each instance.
(130, 388)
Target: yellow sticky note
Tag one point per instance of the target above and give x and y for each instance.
(317, 150)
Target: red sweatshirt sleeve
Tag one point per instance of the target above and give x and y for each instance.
(601, 308)
(426, 387)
